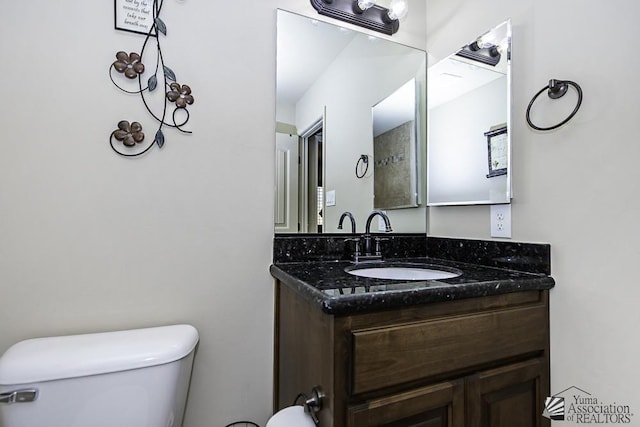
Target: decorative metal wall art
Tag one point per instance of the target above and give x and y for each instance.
(128, 139)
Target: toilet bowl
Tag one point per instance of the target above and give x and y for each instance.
(133, 378)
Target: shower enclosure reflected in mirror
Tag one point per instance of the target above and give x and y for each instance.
(469, 142)
(395, 183)
(328, 80)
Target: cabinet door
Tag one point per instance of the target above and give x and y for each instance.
(508, 396)
(438, 405)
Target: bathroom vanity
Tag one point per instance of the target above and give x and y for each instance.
(466, 351)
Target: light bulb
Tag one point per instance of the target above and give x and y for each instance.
(398, 9)
(366, 4)
(486, 40)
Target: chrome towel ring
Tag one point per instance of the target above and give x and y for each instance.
(556, 89)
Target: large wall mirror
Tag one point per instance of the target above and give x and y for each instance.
(469, 143)
(352, 108)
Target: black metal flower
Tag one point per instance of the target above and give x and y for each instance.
(129, 64)
(129, 134)
(181, 95)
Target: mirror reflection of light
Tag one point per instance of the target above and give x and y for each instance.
(398, 9)
(487, 40)
(366, 4)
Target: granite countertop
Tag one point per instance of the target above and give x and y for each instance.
(324, 282)
(338, 292)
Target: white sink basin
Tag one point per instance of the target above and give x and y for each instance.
(403, 273)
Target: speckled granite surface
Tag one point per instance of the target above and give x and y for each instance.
(332, 247)
(532, 257)
(315, 267)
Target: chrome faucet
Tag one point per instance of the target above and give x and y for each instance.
(353, 221)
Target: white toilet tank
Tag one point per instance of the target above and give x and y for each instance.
(133, 378)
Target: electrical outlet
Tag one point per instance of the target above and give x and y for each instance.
(501, 221)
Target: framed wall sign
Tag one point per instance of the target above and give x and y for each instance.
(498, 151)
(135, 16)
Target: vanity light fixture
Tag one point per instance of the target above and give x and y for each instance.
(481, 51)
(364, 13)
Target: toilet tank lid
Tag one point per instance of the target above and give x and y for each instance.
(53, 358)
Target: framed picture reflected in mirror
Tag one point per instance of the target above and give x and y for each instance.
(497, 150)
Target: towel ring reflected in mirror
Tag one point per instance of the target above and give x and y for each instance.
(362, 166)
(556, 89)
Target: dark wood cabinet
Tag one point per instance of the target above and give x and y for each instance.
(437, 405)
(508, 396)
(479, 362)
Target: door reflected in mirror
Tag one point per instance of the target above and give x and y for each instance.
(469, 143)
(332, 77)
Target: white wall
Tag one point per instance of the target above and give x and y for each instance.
(90, 241)
(575, 188)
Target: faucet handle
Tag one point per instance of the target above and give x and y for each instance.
(356, 252)
(378, 240)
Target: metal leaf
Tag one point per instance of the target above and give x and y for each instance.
(159, 138)
(152, 83)
(169, 73)
(162, 28)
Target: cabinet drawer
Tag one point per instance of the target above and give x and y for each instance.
(388, 356)
(438, 404)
